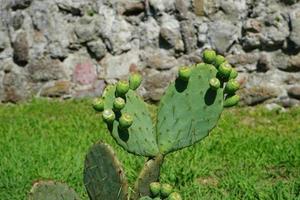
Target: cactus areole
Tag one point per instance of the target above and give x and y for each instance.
(187, 112)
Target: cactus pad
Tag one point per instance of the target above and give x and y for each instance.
(188, 111)
(139, 138)
(104, 177)
(50, 190)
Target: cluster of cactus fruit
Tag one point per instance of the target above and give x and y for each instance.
(198, 95)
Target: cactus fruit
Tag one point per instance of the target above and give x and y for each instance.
(98, 104)
(209, 56)
(155, 188)
(232, 86)
(233, 74)
(125, 120)
(174, 196)
(145, 198)
(122, 88)
(184, 73)
(119, 103)
(225, 70)
(108, 116)
(231, 100)
(214, 83)
(50, 190)
(135, 80)
(166, 190)
(219, 60)
(103, 174)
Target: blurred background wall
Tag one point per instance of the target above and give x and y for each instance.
(73, 48)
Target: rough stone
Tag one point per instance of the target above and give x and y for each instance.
(149, 33)
(85, 29)
(244, 61)
(21, 49)
(56, 89)
(159, 59)
(20, 4)
(97, 48)
(189, 36)
(256, 95)
(279, 60)
(117, 33)
(161, 6)
(119, 66)
(294, 63)
(170, 33)
(94, 91)
(295, 25)
(4, 40)
(222, 34)
(182, 7)
(156, 82)
(253, 25)
(251, 41)
(294, 92)
(17, 20)
(130, 8)
(45, 69)
(235, 10)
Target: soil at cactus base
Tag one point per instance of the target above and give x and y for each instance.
(251, 154)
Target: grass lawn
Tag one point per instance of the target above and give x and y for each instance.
(252, 154)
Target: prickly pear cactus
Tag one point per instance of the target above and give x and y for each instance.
(50, 190)
(103, 174)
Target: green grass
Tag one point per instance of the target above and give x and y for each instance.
(252, 154)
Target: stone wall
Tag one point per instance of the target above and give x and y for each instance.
(72, 48)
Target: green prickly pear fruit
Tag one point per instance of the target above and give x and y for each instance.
(231, 100)
(122, 87)
(145, 198)
(232, 86)
(219, 60)
(135, 80)
(225, 69)
(155, 188)
(119, 103)
(184, 73)
(233, 74)
(125, 121)
(174, 196)
(108, 116)
(98, 104)
(214, 83)
(166, 190)
(209, 56)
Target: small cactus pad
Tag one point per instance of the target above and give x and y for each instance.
(231, 100)
(174, 196)
(209, 56)
(98, 104)
(184, 73)
(219, 60)
(139, 138)
(214, 83)
(155, 189)
(232, 86)
(50, 190)
(188, 111)
(119, 103)
(104, 177)
(108, 116)
(149, 174)
(122, 88)
(135, 80)
(166, 190)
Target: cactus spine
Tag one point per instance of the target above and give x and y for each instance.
(198, 96)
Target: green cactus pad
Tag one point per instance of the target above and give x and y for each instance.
(50, 190)
(139, 138)
(104, 177)
(149, 174)
(187, 112)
